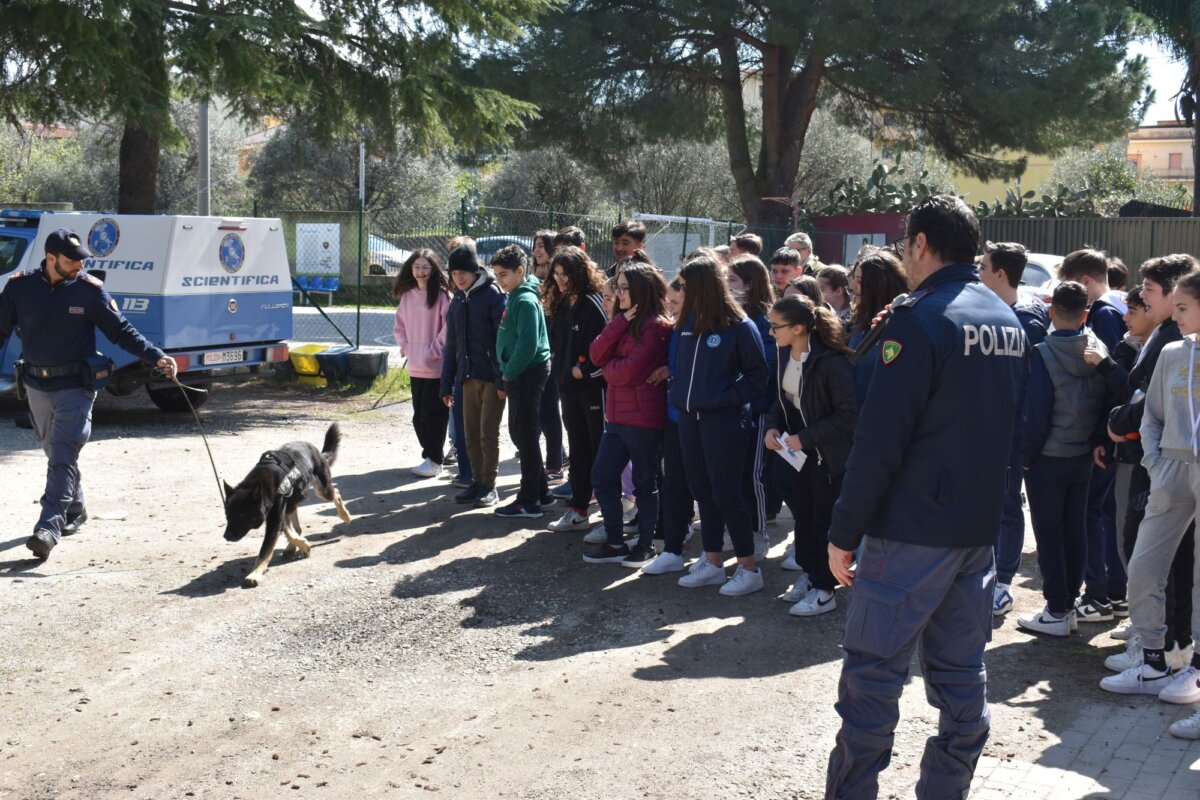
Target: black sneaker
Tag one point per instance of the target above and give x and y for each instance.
(638, 556)
(469, 495)
(451, 458)
(548, 500)
(607, 554)
(41, 543)
(632, 525)
(516, 509)
(73, 522)
(487, 497)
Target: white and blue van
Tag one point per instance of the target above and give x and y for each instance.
(214, 293)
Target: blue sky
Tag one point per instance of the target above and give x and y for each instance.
(1165, 76)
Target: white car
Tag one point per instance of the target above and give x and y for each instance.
(384, 258)
(1040, 277)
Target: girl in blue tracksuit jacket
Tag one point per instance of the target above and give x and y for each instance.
(721, 370)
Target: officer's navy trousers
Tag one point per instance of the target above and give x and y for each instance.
(935, 599)
(62, 420)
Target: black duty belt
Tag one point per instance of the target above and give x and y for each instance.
(60, 371)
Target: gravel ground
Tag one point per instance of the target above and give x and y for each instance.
(422, 648)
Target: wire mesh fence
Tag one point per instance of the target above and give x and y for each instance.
(344, 264)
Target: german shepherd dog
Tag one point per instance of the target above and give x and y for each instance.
(273, 489)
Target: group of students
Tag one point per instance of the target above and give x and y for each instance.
(1108, 447)
(673, 396)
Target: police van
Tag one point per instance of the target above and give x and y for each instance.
(213, 293)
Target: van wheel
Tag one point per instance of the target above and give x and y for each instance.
(170, 398)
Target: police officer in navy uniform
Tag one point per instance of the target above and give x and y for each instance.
(57, 309)
(922, 494)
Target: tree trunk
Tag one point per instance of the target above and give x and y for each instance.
(138, 184)
(150, 115)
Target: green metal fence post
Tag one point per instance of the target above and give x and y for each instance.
(462, 216)
(683, 250)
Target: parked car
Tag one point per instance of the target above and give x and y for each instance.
(486, 246)
(1041, 276)
(384, 258)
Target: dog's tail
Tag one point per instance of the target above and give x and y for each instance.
(333, 438)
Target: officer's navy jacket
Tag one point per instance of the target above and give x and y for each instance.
(934, 437)
(723, 369)
(58, 323)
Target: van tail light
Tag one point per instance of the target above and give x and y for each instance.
(279, 353)
(182, 363)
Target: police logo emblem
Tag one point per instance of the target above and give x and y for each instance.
(713, 341)
(103, 237)
(232, 253)
(891, 350)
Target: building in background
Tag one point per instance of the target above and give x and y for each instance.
(1165, 150)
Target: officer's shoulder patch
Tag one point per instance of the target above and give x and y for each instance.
(890, 350)
(92, 279)
(17, 275)
(912, 299)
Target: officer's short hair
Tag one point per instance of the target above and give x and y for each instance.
(1010, 257)
(950, 227)
(1070, 300)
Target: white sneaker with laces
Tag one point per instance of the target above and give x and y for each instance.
(1045, 622)
(1002, 600)
(703, 573)
(663, 563)
(1141, 679)
(596, 535)
(789, 560)
(1184, 689)
(1125, 633)
(743, 582)
(426, 469)
(817, 601)
(571, 520)
(1119, 662)
(799, 590)
(1187, 728)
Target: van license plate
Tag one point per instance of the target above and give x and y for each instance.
(224, 357)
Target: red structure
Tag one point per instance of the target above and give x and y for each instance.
(837, 239)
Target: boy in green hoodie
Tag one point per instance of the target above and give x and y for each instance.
(523, 350)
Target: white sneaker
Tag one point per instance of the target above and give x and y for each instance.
(799, 590)
(1141, 679)
(1177, 657)
(1184, 689)
(703, 573)
(572, 520)
(818, 601)
(1125, 633)
(426, 469)
(596, 535)
(1119, 662)
(743, 582)
(1002, 600)
(789, 560)
(1045, 622)
(762, 543)
(663, 563)
(1188, 728)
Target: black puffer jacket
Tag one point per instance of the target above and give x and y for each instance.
(1127, 419)
(572, 331)
(828, 405)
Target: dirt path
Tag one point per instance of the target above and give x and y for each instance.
(422, 648)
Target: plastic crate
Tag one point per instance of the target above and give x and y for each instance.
(335, 363)
(368, 362)
(304, 359)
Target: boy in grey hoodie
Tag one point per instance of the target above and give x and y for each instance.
(1065, 409)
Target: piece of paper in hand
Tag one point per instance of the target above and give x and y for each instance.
(794, 457)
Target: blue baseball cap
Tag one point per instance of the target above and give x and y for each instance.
(67, 243)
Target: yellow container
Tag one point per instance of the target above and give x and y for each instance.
(304, 359)
(313, 380)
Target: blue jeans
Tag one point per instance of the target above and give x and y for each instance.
(458, 435)
(622, 444)
(1012, 524)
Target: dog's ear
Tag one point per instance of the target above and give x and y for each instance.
(228, 490)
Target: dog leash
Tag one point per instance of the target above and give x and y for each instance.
(184, 390)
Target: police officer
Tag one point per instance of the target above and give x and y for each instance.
(57, 309)
(922, 494)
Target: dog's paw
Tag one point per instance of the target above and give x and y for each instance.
(305, 549)
(251, 581)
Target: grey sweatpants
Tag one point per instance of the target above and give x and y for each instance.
(1121, 495)
(1174, 496)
